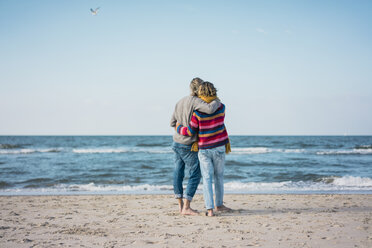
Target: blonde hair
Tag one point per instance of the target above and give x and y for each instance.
(207, 89)
(194, 86)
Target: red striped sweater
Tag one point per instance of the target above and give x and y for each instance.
(210, 128)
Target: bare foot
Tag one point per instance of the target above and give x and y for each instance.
(189, 211)
(223, 208)
(209, 213)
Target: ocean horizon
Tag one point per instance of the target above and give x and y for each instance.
(143, 164)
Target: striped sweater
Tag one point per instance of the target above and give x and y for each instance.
(210, 128)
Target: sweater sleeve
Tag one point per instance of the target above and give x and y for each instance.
(173, 120)
(208, 108)
(191, 129)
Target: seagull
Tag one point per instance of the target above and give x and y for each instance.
(94, 11)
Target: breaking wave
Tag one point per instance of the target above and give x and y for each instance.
(260, 150)
(364, 147)
(366, 150)
(327, 184)
(28, 151)
(337, 185)
(124, 150)
(346, 152)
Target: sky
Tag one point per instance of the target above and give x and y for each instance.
(280, 67)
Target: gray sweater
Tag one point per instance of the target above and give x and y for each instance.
(183, 112)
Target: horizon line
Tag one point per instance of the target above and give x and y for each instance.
(344, 135)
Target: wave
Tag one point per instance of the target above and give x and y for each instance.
(123, 150)
(9, 146)
(100, 150)
(238, 163)
(91, 188)
(38, 180)
(345, 184)
(327, 184)
(304, 145)
(4, 184)
(346, 152)
(151, 144)
(255, 163)
(363, 147)
(28, 151)
(350, 181)
(167, 150)
(19, 151)
(261, 150)
(250, 150)
(124, 188)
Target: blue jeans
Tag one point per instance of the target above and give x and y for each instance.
(183, 156)
(212, 164)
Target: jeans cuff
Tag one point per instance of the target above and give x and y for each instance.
(209, 207)
(188, 197)
(178, 196)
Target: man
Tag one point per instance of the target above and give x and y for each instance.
(182, 146)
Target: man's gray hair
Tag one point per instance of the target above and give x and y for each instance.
(194, 86)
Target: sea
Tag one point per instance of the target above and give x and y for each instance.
(63, 165)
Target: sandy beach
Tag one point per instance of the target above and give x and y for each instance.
(153, 220)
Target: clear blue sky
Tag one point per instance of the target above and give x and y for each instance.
(281, 67)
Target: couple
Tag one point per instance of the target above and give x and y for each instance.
(200, 136)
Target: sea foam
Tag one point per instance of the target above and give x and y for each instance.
(336, 185)
(261, 150)
(346, 152)
(250, 150)
(123, 150)
(168, 150)
(29, 151)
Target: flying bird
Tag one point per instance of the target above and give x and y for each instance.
(94, 11)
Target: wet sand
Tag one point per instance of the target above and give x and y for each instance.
(153, 221)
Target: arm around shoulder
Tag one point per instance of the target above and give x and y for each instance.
(208, 108)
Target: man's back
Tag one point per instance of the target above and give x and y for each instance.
(183, 112)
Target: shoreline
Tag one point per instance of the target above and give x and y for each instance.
(258, 220)
(103, 193)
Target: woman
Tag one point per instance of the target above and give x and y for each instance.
(213, 142)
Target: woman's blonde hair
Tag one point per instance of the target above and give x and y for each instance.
(194, 86)
(207, 89)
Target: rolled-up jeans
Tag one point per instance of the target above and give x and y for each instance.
(184, 157)
(212, 165)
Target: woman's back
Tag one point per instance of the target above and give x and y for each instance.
(210, 127)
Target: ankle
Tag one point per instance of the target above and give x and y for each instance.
(187, 204)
